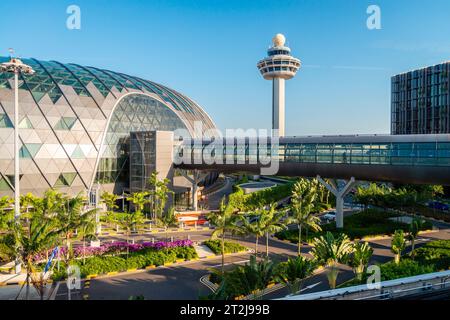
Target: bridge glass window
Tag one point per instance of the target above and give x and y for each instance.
(360, 154)
(292, 153)
(425, 153)
(342, 153)
(325, 153)
(308, 153)
(443, 154)
(379, 153)
(253, 152)
(402, 154)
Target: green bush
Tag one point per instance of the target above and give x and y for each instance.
(135, 260)
(230, 247)
(436, 253)
(406, 268)
(368, 223)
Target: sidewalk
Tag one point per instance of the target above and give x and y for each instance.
(156, 231)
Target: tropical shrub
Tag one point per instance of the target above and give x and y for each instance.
(436, 253)
(398, 245)
(405, 268)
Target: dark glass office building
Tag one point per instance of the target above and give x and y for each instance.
(420, 102)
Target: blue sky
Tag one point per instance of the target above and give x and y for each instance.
(209, 49)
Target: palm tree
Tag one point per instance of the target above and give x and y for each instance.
(255, 228)
(330, 251)
(272, 223)
(168, 220)
(265, 222)
(223, 221)
(255, 276)
(303, 201)
(72, 217)
(160, 194)
(362, 252)
(33, 238)
(414, 229)
(398, 245)
(130, 221)
(109, 199)
(294, 271)
(87, 231)
(139, 200)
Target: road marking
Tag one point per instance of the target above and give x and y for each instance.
(229, 263)
(311, 286)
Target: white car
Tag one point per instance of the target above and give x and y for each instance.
(330, 216)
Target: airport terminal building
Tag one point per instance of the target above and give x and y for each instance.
(76, 122)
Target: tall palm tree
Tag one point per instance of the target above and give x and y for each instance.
(159, 193)
(294, 271)
(398, 245)
(72, 217)
(362, 252)
(109, 199)
(265, 222)
(414, 229)
(223, 221)
(273, 223)
(303, 201)
(87, 231)
(330, 251)
(254, 227)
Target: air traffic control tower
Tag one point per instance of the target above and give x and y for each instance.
(278, 67)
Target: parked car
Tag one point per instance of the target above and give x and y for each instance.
(438, 205)
(329, 216)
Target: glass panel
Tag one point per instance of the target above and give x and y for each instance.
(5, 122)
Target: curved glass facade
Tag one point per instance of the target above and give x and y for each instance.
(67, 111)
(134, 113)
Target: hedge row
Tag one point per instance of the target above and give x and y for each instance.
(255, 200)
(230, 247)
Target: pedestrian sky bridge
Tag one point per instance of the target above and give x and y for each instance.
(416, 159)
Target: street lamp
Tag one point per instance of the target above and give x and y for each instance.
(16, 66)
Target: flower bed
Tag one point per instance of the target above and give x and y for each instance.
(113, 257)
(117, 248)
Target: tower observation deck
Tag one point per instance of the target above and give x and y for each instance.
(279, 66)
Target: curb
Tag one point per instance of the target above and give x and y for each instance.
(135, 270)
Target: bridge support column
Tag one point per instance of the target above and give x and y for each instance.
(339, 194)
(196, 178)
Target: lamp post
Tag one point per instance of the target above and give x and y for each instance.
(16, 66)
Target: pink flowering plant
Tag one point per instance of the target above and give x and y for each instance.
(117, 248)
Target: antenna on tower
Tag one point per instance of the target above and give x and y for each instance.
(11, 52)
